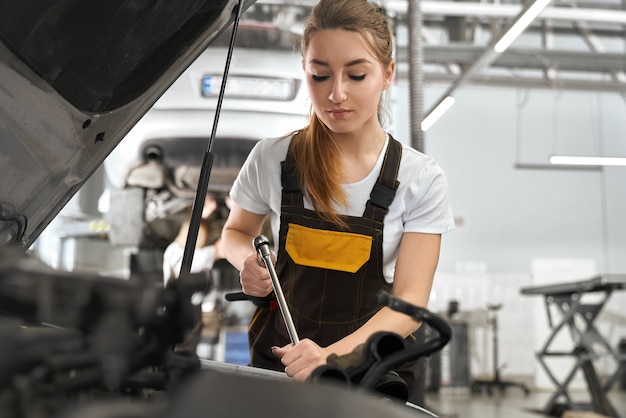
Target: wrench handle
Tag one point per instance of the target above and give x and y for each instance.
(261, 245)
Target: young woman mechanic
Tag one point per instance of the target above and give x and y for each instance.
(335, 248)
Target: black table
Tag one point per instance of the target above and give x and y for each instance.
(578, 317)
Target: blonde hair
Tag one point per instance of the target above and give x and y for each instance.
(314, 150)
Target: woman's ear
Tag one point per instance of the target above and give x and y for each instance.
(389, 73)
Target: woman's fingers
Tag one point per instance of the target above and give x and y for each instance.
(255, 279)
(302, 359)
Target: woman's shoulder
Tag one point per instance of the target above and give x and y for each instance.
(275, 146)
(416, 162)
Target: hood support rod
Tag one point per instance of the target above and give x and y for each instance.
(207, 163)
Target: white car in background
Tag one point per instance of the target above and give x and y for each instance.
(154, 171)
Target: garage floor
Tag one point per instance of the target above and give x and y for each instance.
(512, 404)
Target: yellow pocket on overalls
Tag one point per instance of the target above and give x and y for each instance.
(343, 251)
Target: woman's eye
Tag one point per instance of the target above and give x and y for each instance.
(319, 77)
(357, 77)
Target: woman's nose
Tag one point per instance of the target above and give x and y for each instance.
(338, 92)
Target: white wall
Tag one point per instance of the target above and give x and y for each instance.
(511, 216)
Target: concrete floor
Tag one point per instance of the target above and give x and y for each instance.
(512, 404)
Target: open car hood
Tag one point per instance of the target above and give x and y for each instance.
(76, 77)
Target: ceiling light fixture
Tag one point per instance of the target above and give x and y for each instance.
(433, 116)
(522, 22)
(588, 161)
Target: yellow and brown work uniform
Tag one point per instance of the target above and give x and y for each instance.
(330, 277)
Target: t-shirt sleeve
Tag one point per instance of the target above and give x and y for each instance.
(428, 208)
(247, 190)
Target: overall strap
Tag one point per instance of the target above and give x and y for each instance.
(290, 181)
(387, 183)
(382, 193)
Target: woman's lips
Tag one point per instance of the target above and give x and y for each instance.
(338, 113)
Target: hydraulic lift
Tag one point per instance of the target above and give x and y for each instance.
(578, 316)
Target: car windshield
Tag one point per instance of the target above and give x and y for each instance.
(260, 36)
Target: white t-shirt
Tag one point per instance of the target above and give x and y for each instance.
(203, 259)
(420, 205)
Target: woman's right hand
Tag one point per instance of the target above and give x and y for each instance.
(254, 277)
(237, 243)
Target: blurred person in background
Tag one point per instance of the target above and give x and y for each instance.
(206, 252)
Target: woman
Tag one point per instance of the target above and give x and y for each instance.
(206, 251)
(335, 248)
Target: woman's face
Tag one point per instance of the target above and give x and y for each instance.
(345, 80)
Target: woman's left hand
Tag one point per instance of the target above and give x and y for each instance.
(301, 359)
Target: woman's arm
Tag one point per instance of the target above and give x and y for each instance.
(417, 261)
(418, 257)
(240, 229)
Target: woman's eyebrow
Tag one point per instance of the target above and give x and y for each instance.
(357, 62)
(349, 64)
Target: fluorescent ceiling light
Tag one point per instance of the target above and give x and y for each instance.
(520, 25)
(574, 160)
(525, 17)
(437, 112)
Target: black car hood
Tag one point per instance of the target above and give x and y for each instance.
(75, 77)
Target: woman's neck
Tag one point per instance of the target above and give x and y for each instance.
(365, 142)
(359, 154)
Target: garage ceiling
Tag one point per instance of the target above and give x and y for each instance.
(570, 45)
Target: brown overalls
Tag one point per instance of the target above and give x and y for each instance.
(330, 278)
